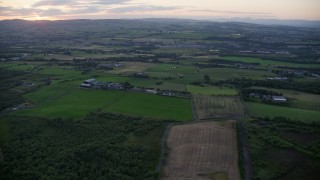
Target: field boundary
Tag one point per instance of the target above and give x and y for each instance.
(193, 108)
(246, 162)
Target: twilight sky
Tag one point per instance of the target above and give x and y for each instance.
(193, 9)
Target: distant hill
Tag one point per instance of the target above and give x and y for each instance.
(296, 23)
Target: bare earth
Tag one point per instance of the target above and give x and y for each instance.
(200, 149)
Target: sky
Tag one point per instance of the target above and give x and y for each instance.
(187, 9)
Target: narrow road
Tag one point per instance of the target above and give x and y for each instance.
(245, 149)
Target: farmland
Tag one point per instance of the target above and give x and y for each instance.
(199, 150)
(167, 101)
(209, 107)
(81, 102)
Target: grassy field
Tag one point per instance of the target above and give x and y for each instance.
(202, 150)
(264, 62)
(59, 71)
(207, 107)
(212, 90)
(263, 110)
(50, 93)
(152, 106)
(82, 101)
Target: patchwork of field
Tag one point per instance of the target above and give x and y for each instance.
(266, 110)
(209, 107)
(80, 102)
(202, 150)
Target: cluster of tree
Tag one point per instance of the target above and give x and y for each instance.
(92, 148)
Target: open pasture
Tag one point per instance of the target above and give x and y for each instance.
(83, 101)
(208, 107)
(201, 150)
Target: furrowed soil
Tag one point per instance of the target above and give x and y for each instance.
(201, 150)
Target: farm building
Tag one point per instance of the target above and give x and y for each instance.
(277, 78)
(151, 91)
(85, 85)
(88, 83)
(278, 99)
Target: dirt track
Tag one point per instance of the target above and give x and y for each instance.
(199, 149)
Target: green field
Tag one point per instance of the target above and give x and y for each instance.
(264, 110)
(50, 93)
(212, 90)
(82, 101)
(265, 62)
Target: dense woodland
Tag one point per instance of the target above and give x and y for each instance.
(93, 148)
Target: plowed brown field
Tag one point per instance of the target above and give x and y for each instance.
(198, 150)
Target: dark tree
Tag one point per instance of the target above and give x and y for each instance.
(206, 78)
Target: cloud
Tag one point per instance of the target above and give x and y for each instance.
(9, 11)
(140, 8)
(54, 3)
(78, 2)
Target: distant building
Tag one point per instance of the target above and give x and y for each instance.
(277, 78)
(90, 81)
(278, 99)
(151, 91)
